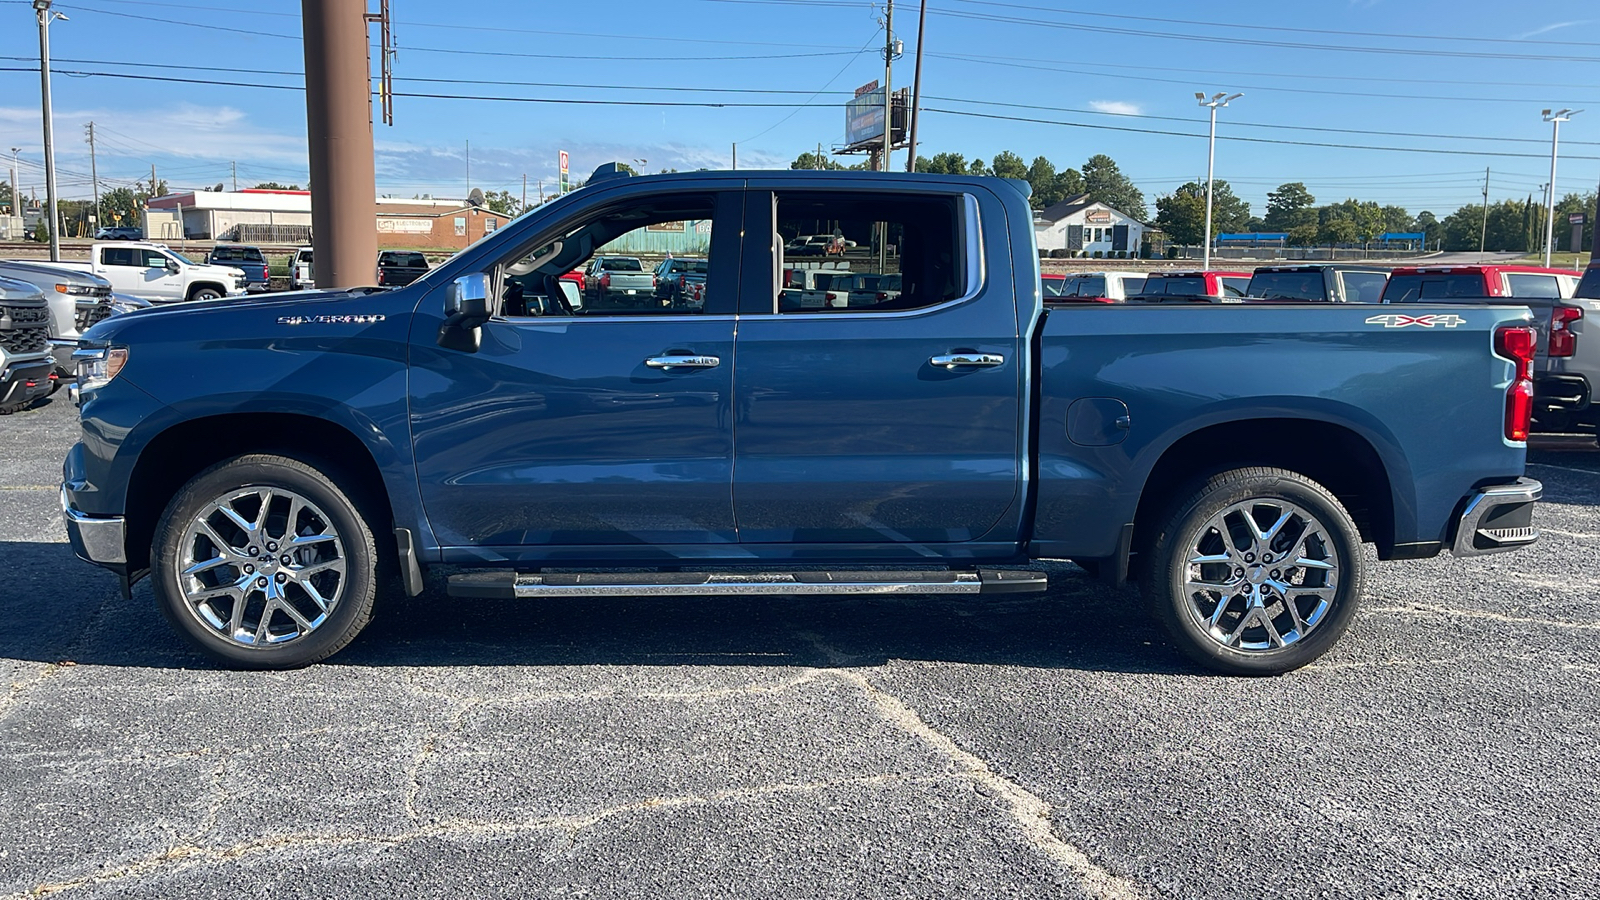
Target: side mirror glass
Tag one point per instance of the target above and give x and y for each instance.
(466, 310)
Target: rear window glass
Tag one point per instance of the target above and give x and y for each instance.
(1441, 286)
(1530, 285)
(1132, 285)
(1589, 287)
(236, 254)
(1052, 286)
(1287, 286)
(621, 265)
(1175, 285)
(409, 260)
(1235, 287)
(1364, 287)
(692, 266)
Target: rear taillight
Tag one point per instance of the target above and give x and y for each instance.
(1518, 344)
(1563, 341)
(605, 281)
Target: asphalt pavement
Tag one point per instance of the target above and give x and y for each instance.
(1029, 746)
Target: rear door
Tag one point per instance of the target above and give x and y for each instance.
(894, 424)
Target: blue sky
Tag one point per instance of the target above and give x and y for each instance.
(1432, 76)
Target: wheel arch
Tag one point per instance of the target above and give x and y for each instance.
(178, 453)
(201, 285)
(1336, 455)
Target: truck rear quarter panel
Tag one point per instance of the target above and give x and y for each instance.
(1429, 401)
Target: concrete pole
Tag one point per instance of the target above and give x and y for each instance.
(1550, 197)
(94, 177)
(1211, 162)
(42, 10)
(339, 138)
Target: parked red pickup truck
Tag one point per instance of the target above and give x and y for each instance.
(1201, 287)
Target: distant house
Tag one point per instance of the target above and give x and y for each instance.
(1081, 224)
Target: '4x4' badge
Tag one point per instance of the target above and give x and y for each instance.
(1396, 320)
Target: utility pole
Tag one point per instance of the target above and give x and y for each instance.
(235, 166)
(818, 159)
(524, 192)
(16, 189)
(916, 90)
(736, 156)
(1483, 233)
(42, 11)
(94, 175)
(888, 90)
(339, 137)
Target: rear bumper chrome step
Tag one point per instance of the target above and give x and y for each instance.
(513, 585)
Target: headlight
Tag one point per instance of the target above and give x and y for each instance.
(98, 365)
(76, 290)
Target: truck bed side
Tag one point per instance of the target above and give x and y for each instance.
(1330, 388)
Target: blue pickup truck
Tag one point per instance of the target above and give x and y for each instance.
(273, 463)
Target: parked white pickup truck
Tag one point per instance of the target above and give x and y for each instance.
(152, 272)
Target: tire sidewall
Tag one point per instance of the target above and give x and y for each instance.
(354, 607)
(1171, 600)
(205, 294)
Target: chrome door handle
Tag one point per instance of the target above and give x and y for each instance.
(683, 362)
(951, 360)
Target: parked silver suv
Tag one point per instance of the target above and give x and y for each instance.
(1564, 398)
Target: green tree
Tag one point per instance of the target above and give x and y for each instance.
(948, 164)
(121, 206)
(1431, 229)
(1395, 218)
(1367, 218)
(274, 186)
(978, 168)
(811, 160)
(1008, 165)
(1229, 214)
(1290, 205)
(1303, 235)
(6, 200)
(1069, 183)
(1104, 182)
(1569, 205)
(1338, 231)
(1042, 178)
(504, 203)
(1182, 215)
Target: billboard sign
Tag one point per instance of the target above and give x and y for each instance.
(863, 116)
(1577, 219)
(564, 180)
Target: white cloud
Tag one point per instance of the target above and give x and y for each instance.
(1116, 107)
(1551, 27)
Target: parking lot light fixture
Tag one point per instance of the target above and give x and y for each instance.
(1219, 99)
(1555, 118)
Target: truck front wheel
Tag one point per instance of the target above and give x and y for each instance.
(1258, 572)
(262, 562)
(205, 292)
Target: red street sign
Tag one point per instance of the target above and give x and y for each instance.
(563, 162)
(867, 88)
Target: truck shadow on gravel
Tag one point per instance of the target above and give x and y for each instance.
(55, 608)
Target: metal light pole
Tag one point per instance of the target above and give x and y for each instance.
(1219, 99)
(1555, 119)
(16, 189)
(42, 10)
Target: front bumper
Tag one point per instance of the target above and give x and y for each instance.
(26, 381)
(97, 539)
(1498, 518)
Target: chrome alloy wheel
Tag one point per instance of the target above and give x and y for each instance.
(1261, 575)
(261, 566)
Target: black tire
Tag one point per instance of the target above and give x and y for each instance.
(205, 293)
(1187, 527)
(352, 607)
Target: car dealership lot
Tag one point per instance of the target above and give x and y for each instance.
(1034, 745)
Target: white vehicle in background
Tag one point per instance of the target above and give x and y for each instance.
(153, 272)
(300, 275)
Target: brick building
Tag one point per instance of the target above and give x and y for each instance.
(434, 224)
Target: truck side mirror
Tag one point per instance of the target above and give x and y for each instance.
(466, 310)
(172, 266)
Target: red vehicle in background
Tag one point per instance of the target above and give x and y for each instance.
(1416, 284)
(1192, 287)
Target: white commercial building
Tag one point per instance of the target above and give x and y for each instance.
(1083, 225)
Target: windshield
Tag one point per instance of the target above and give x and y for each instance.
(1287, 286)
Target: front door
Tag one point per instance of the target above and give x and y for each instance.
(890, 418)
(573, 426)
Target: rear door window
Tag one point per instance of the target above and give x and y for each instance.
(1364, 287)
(1589, 287)
(117, 256)
(1235, 287)
(1287, 286)
(1530, 285)
(1439, 287)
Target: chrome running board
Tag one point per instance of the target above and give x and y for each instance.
(516, 585)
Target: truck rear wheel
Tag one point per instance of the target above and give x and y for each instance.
(1258, 572)
(262, 562)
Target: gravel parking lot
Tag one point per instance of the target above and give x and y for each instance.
(1048, 745)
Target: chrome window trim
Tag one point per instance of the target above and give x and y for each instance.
(977, 276)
